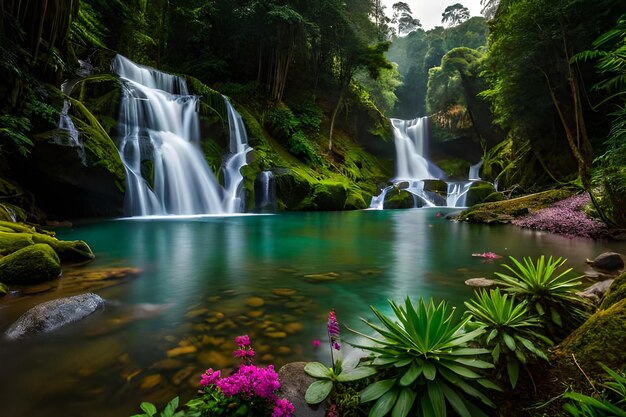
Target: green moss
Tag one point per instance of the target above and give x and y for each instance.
(600, 339)
(4, 290)
(399, 200)
(478, 193)
(30, 265)
(356, 200)
(506, 210)
(329, 196)
(494, 197)
(616, 292)
(68, 251)
(454, 167)
(11, 241)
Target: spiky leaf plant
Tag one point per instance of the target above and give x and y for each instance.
(510, 331)
(425, 362)
(549, 292)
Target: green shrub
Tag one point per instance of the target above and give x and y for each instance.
(282, 122)
(510, 331)
(300, 146)
(426, 363)
(552, 296)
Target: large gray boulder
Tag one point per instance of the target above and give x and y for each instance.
(607, 261)
(53, 314)
(293, 385)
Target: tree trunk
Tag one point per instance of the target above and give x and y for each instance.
(334, 116)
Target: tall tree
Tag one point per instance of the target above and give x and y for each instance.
(403, 19)
(455, 14)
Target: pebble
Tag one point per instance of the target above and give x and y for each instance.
(181, 350)
(196, 312)
(150, 381)
(276, 335)
(167, 364)
(255, 301)
(255, 313)
(283, 292)
(183, 374)
(214, 359)
(285, 350)
(328, 276)
(293, 327)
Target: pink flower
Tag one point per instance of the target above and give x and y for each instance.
(250, 352)
(487, 255)
(316, 343)
(242, 340)
(240, 353)
(333, 329)
(209, 377)
(332, 411)
(283, 408)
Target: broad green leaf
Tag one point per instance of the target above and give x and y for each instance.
(495, 353)
(512, 368)
(411, 374)
(384, 404)
(456, 401)
(475, 363)
(492, 334)
(509, 341)
(404, 403)
(556, 317)
(429, 370)
(148, 408)
(318, 391)
(460, 370)
(436, 398)
(403, 362)
(376, 390)
(170, 408)
(317, 370)
(359, 372)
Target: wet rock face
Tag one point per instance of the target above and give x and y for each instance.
(293, 385)
(53, 314)
(30, 265)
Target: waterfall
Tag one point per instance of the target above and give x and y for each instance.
(265, 193)
(378, 201)
(411, 140)
(72, 136)
(474, 171)
(159, 144)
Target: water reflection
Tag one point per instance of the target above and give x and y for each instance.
(199, 275)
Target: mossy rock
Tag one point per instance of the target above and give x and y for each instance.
(506, 210)
(11, 241)
(454, 167)
(400, 200)
(356, 200)
(30, 265)
(4, 290)
(329, 196)
(478, 193)
(291, 189)
(494, 197)
(437, 186)
(600, 339)
(616, 292)
(14, 236)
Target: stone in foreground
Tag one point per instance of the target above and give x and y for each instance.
(51, 315)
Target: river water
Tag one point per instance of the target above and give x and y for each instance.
(201, 281)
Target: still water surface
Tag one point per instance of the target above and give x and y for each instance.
(205, 280)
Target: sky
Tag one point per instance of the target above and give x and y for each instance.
(429, 11)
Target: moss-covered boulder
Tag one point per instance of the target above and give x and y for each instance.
(478, 193)
(600, 339)
(30, 265)
(14, 236)
(506, 210)
(400, 199)
(616, 292)
(328, 196)
(291, 189)
(356, 200)
(494, 197)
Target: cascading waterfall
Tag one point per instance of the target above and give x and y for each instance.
(72, 136)
(474, 171)
(265, 192)
(159, 145)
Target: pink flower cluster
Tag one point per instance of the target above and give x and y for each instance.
(565, 217)
(249, 382)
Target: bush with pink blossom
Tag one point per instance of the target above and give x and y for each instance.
(566, 218)
(250, 391)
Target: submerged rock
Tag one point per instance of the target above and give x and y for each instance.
(480, 283)
(30, 265)
(53, 314)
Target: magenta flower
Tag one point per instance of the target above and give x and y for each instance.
(316, 343)
(209, 377)
(242, 340)
(240, 353)
(333, 330)
(283, 408)
(332, 411)
(250, 353)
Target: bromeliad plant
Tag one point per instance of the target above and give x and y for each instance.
(426, 363)
(551, 293)
(510, 331)
(327, 377)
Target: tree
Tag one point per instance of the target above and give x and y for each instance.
(455, 14)
(403, 18)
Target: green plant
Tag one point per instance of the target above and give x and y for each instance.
(551, 293)
(612, 402)
(300, 146)
(327, 377)
(426, 363)
(149, 410)
(510, 330)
